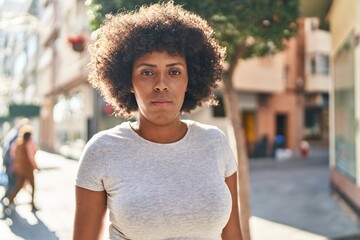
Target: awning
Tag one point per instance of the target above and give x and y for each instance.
(24, 110)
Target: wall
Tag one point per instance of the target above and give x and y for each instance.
(344, 18)
(61, 74)
(317, 42)
(266, 120)
(260, 74)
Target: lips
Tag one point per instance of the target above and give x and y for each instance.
(161, 102)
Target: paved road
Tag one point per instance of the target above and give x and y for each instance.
(290, 201)
(296, 194)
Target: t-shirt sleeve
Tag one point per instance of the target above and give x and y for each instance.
(92, 166)
(230, 162)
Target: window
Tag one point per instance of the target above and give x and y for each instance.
(319, 64)
(313, 65)
(345, 108)
(323, 61)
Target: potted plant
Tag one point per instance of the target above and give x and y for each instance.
(77, 42)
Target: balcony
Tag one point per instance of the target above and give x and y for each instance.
(317, 41)
(264, 74)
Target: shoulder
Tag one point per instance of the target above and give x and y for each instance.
(207, 132)
(106, 139)
(118, 132)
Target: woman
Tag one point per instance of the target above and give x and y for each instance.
(160, 177)
(23, 151)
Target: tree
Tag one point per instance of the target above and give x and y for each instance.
(247, 28)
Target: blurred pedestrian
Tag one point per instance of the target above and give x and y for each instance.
(304, 147)
(160, 177)
(23, 151)
(9, 139)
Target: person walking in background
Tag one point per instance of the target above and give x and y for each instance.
(23, 151)
(160, 177)
(9, 139)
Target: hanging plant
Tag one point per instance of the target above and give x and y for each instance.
(78, 42)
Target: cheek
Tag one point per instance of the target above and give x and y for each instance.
(186, 86)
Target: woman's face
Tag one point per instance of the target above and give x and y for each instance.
(159, 82)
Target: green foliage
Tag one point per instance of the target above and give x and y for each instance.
(261, 24)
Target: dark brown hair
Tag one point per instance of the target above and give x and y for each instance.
(163, 27)
(27, 136)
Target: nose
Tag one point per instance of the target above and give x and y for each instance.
(161, 85)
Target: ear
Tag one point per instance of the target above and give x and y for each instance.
(132, 89)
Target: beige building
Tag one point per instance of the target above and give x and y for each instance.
(67, 98)
(284, 97)
(344, 21)
(71, 109)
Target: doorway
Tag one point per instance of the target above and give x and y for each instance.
(281, 130)
(249, 126)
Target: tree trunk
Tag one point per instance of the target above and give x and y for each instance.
(233, 113)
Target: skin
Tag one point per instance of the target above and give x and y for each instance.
(232, 230)
(89, 214)
(159, 83)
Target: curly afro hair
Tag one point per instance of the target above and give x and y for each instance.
(156, 28)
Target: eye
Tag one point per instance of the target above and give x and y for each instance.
(175, 72)
(146, 72)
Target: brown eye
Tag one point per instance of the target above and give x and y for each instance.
(175, 72)
(146, 73)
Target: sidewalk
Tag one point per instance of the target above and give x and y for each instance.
(55, 199)
(290, 200)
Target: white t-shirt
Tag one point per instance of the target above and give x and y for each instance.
(161, 191)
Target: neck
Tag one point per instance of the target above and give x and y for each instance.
(169, 133)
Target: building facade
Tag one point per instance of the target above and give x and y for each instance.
(61, 74)
(345, 101)
(19, 43)
(71, 110)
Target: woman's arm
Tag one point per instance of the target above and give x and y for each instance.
(89, 214)
(30, 151)
(232, 230)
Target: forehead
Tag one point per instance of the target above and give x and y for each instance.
(160, 57)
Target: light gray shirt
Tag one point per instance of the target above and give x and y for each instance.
(161, 191)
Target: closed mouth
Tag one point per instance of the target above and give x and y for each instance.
(161, 102)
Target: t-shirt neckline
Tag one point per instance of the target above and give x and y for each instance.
(140, 139)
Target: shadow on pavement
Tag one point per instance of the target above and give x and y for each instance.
(29, 228)
(297, 193)
(357, 237)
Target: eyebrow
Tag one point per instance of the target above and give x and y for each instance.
(153, 65)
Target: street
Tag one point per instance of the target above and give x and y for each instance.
(55, 199)
(291, 200)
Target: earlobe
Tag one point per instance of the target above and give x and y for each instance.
(131, 89)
